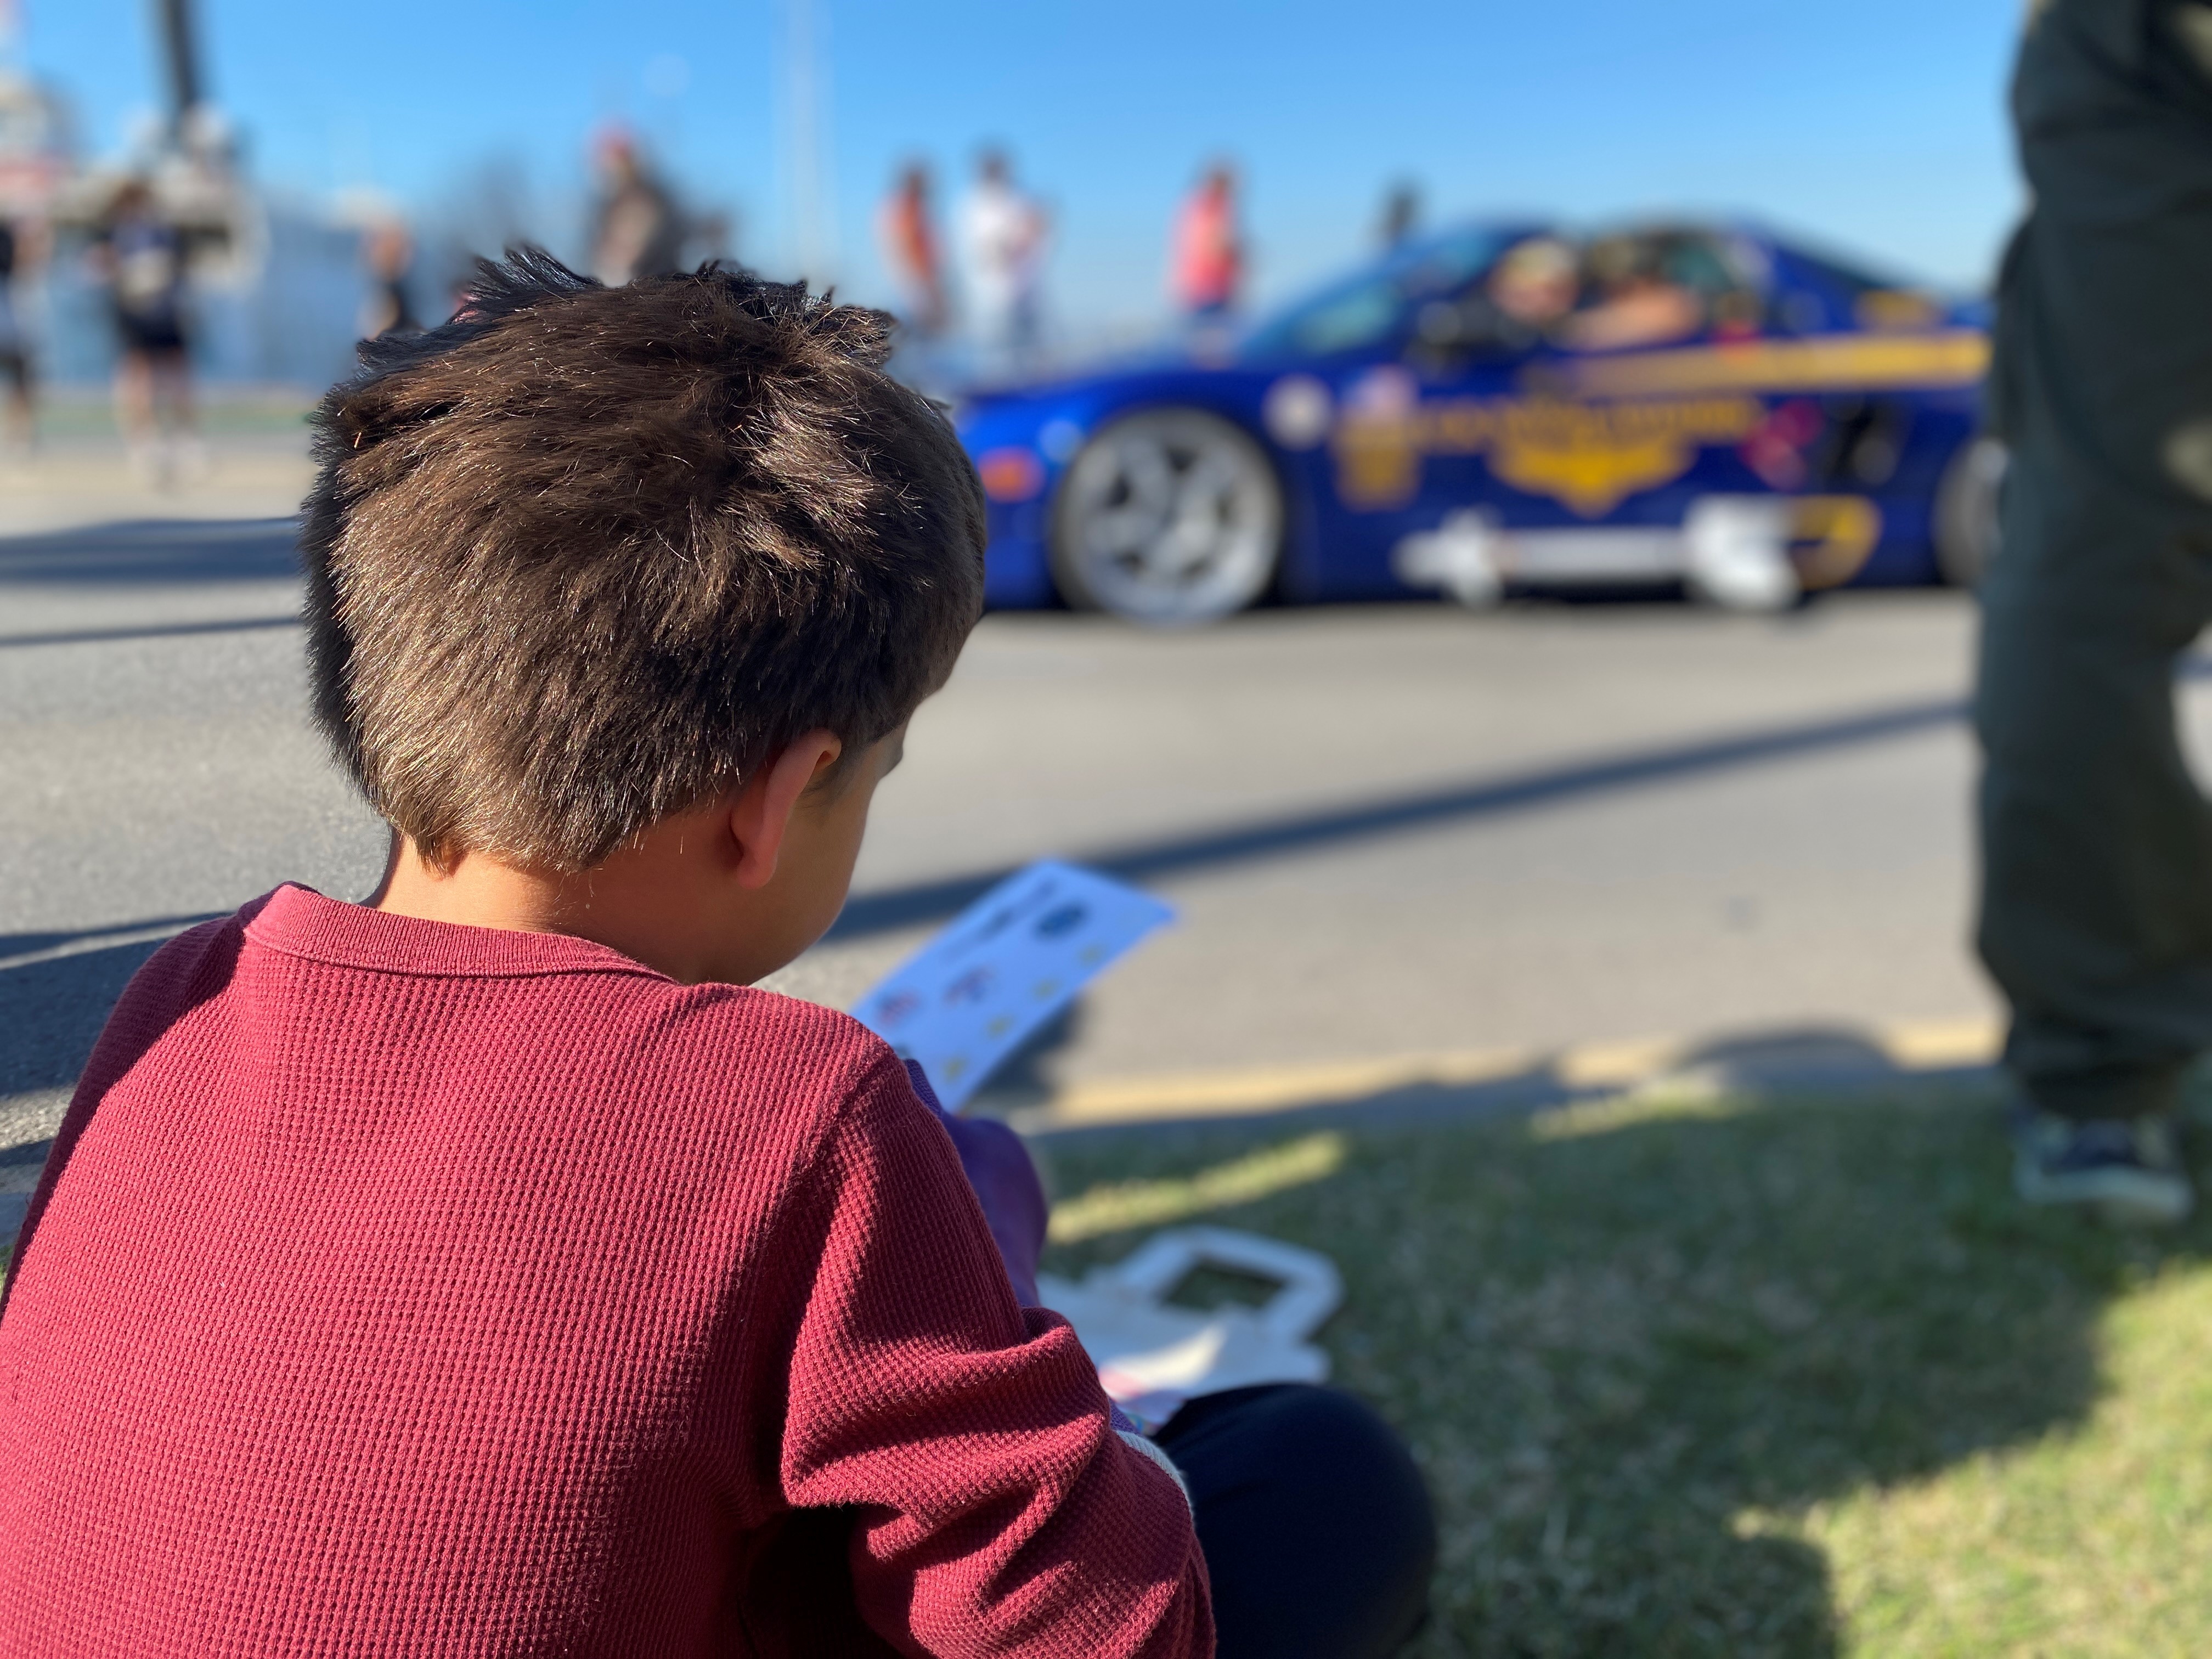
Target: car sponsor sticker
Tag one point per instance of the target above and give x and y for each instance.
(1588, 457)
(1296, 411)
(1590, 433)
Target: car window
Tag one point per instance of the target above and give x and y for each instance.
(1370, 308)
(1852, 282)
(1661, 286)
(1343, 321)
(1828, 294)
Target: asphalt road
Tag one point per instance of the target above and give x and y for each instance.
(1389, 830)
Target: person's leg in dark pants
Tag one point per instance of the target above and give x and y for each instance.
(2096, 916)
(2097, 869)
(1317, 1529)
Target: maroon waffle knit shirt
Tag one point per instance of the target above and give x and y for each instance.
(401, 1288)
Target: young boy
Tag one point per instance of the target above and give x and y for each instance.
(482, 1270)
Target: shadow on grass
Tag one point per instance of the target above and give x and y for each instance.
(1623, 1338)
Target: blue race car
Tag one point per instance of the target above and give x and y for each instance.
(1507, 408)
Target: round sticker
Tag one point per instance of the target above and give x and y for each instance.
(1296, 411)
(1011, 474)
(1059, 438)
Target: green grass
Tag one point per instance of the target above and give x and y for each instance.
(1698, 1377)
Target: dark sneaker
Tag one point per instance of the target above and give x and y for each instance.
(2125, 1168)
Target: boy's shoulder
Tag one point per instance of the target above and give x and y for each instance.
(532, 1006)
(714, 1076)
(783, 1034)
(723, 1066)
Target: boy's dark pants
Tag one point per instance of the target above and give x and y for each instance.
(2096, 914)
(1317, 1531)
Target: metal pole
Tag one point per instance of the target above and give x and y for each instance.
(182, 54)
(806, 93)
(806, 168)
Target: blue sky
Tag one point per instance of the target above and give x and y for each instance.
(1877, 125)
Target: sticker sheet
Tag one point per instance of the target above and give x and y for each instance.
(1002, 968)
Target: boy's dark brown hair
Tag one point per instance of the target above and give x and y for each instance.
(584, 556)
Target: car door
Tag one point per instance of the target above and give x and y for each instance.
(1397, 461)
(1567, 441)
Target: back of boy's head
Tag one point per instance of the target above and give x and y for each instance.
(585, 557)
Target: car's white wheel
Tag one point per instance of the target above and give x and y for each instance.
(1967, 530)
(1170, 517)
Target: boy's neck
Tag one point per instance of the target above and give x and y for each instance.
(476, 892)
(638, 903)
(729, 891)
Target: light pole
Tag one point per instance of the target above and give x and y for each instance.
(806, 99)
(180, 53)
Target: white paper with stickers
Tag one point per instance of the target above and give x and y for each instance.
(1002, 968)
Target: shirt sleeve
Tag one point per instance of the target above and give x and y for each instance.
(1005, 1182)
(996, 1510)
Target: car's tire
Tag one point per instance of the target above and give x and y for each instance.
(1966, 528)
(1169, 517)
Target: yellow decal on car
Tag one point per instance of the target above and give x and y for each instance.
(1886, 308)
(1591, 432)
(1819, 362)
(1831, 537)
(1589, 457)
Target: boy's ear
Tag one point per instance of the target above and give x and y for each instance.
(762, 812)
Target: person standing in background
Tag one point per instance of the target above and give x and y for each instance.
(389, 252)
(22, 418)
(636, 227)
(908, 238)
(2096, 901)
(139, 255)
(1002, 241)
(1401, 216)
(1207, 268)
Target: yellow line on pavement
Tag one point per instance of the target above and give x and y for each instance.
(1617, 1065)
(1927, 1045)
(1638, 1063)
(1245, 1089)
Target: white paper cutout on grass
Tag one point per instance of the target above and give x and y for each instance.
(1002, 968)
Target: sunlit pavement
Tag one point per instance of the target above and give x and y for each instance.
(248, 461)
(1559, 845)
(1548, 842)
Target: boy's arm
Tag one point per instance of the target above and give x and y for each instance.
(997, 1510)
(1006, 1184)
(1004, 1178)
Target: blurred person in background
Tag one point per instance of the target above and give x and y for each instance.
(2096, 901)
(907, 234)
(16, 253)
(1207, 264)
(1401, 216)
(1635, 301)
(1536, 282)
(138, 254)
(637, 230)
(389, 252)
(1003, 234)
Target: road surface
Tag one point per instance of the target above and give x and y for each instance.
(1392, 831)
